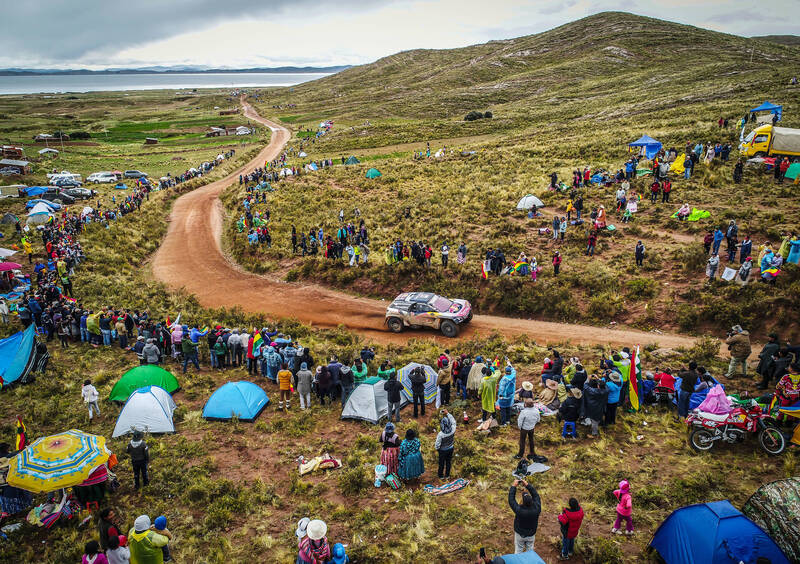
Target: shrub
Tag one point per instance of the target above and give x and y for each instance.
(601, 550)
(705, 349)
(642, 288)
(79, 135)
(488, 115)
(473, 115)
(692, 258)
(605, 306)
(354, 481)
(688, 316)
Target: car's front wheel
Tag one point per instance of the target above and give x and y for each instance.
(395, 324)
(449, 329)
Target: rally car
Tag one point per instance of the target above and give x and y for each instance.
(425, 309)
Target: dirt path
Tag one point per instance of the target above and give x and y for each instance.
(191, 257)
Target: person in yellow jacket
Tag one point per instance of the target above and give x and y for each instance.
(26, 246)
(488, 392)
(145, 543)
(285, 385)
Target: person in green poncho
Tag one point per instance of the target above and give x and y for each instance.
(488, 392)
(359, 370)
(386, 370)
(145, 543)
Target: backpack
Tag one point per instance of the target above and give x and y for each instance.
(393, 481)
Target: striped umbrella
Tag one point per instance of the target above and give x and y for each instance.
(431, 387)
(58, 461)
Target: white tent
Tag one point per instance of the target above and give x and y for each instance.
(86, 211)
(285, 172)
(6, 252)
(40, 207)
(439, 154)
(302, 154)
(368, 402)
(528, 202)
(147, 409)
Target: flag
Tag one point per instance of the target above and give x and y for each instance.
(258, 341)
(21, 435)
(485, 269)
(633, 381)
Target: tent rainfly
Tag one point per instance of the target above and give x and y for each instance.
(726, 536)
(140, 377)
(373, 173)
(769, 107)
(40, 208)
(243, 400)
(368, 402)
(351, 160)
(148, 409)
(431, 387)
(649, 145)
(18, 357)
(775, 507)
(528, 202)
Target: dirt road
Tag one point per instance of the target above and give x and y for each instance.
(191, 257)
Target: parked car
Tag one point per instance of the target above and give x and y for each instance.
(101, 177)
(57, 195)
(66, 183)
(79, 193)
(425, 309)
(134, 174)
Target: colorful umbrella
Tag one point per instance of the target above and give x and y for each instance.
(9, 266)
(58, 461)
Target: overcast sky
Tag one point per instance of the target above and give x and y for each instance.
(247, 33)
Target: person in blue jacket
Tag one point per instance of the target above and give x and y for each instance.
(505, 393)
(718, 237)
(614, 384)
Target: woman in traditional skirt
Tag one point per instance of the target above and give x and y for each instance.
(391, 442)
(411, 464)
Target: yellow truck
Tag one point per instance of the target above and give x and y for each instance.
(769, 141)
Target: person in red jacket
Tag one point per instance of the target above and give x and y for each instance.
(666, 188)
(784, 166)
(556, 262)
(571, 518)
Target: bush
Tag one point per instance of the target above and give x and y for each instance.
(488, 115)
(605, 306)
(642, 288)
(473, 115)
(79, 135)
(354, 481)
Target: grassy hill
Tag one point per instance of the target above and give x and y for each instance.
(563, 99)
(793, 40)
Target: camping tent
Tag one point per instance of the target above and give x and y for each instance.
(368, 401)
(650, 145)
(726, 536)
(148, 409)
(5, 253)
(18, 356)
(793, 171)
(302, 154)
(9, 218)
(352, 160)
(373, 173)
(40, 208)
(769, 107)
(243, 400)
(312, 166)
(439, 154)
(775, 507)
(140, 377)
(528, 202)
(51, 205)
(285, 172)
(430, 381)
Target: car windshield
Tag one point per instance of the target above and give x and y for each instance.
(750, 137)
(442, 304)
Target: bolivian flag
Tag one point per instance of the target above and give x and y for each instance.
(258, 341)
(21, 440)
(633, 381)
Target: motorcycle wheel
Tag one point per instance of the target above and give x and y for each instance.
(701, 440)
(771, 440)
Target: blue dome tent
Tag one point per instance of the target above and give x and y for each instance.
(243, 400)
(725, 537)
(769, 107)
(18, 357)
(650, 145)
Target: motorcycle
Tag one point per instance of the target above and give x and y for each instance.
(706, 429)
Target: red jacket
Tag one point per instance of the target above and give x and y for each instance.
(573, 520)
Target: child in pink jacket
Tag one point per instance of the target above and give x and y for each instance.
(624, 509)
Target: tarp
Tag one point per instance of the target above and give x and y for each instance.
(529, 557)
(35, 190)
(696, 398)
(141, 377)
(785, 140)
(373, 173)
(148, 409)
(368, 401)
(651, 146)
(52, 205)
(775, 507)
(430, 381)
(243, 400)
(17, 356)
(352, 160)
(677, 165)
(793, 171)
(529, 201)
(696, 215)
(713, 533)
(5, 253)
(769, 107)
(40, 208)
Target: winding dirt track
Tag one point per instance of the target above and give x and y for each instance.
(191, 257)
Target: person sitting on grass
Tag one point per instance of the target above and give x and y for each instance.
(411, 465)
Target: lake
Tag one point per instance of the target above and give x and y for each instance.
(34, 84)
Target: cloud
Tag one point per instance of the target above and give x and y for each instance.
(236, 33)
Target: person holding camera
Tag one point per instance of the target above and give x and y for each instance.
(738, 342)
(526, 515)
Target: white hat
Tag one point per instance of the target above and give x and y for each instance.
(141, 524)
(302, 525)
(317, 529)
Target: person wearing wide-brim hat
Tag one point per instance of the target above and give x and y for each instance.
(302, 538)
(316, 549)
(526, 391)
(549, 396)
(614, 385)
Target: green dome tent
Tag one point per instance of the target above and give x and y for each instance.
(373, 173)
(352, 160)
(141, 377)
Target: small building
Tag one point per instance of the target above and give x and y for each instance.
(150, 141)
(13, 166)
(48, 152)
(230, 112)
(216, 132)
(13, 152)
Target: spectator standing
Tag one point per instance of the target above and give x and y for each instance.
(526, 515)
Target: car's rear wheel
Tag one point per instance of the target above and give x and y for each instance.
(449, 329)
(395, 324)
(469, 317)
